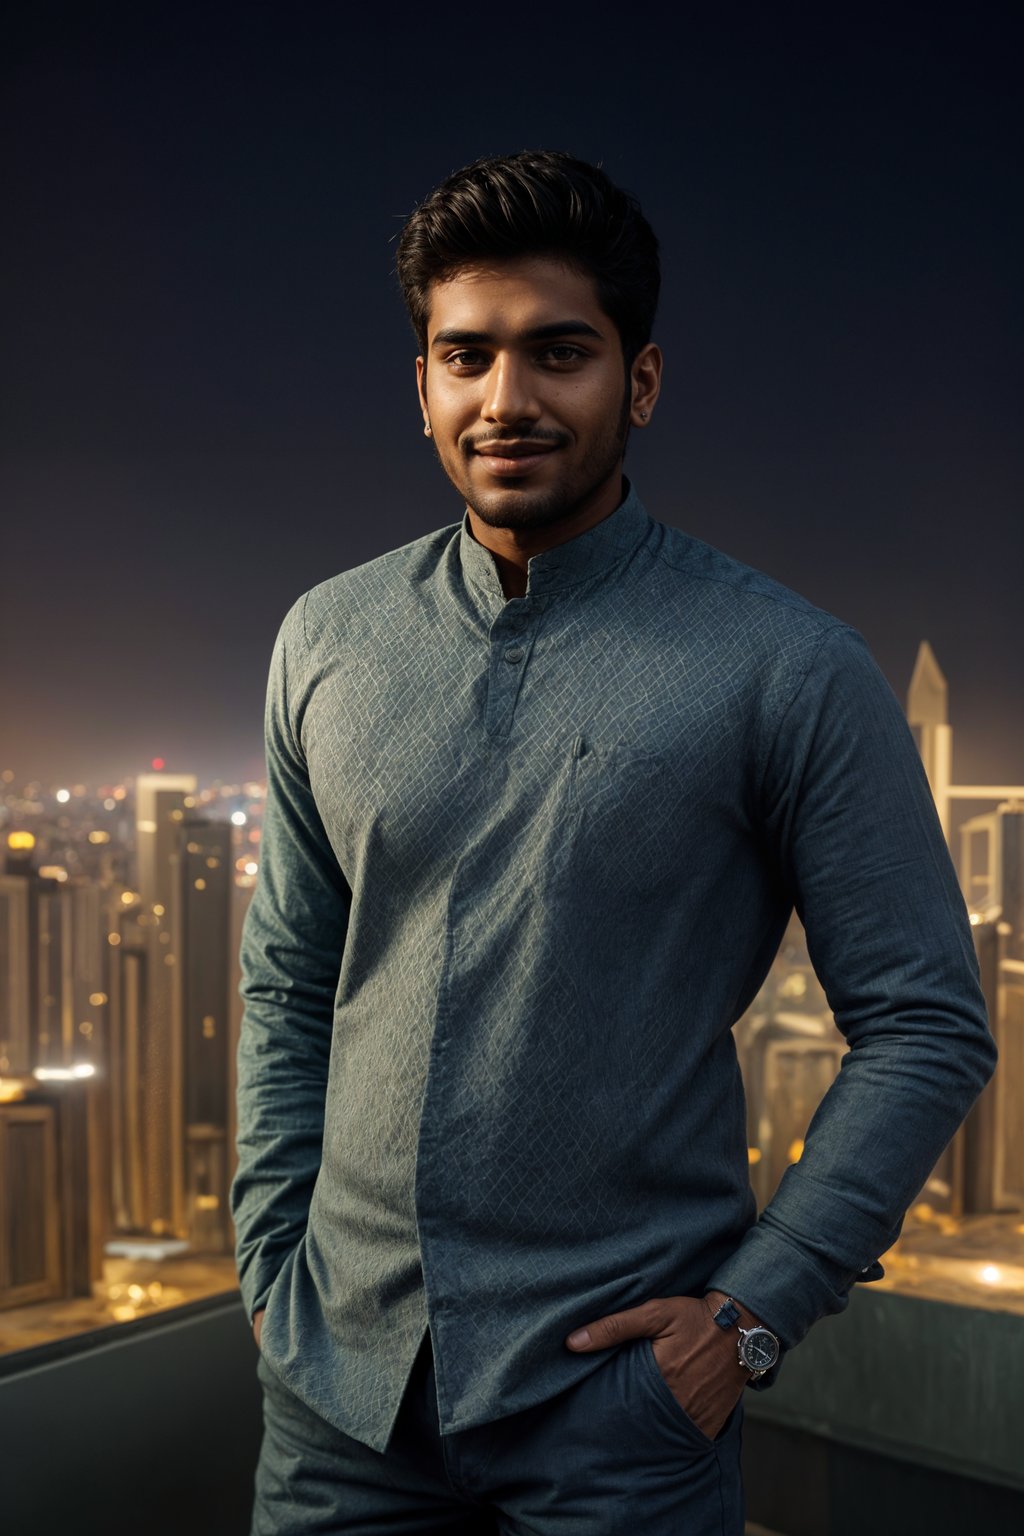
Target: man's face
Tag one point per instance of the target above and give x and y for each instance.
(525, 392)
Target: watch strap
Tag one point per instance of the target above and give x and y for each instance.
(727, 1314)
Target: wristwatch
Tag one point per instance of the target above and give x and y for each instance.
(758, 1349)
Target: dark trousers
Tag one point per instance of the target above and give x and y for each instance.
(614, 1455)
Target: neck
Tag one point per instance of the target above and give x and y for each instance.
(514, 548)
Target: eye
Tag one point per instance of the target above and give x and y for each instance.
(569, 353)
(464, 359)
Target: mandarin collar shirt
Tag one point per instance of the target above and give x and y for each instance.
(524, 863)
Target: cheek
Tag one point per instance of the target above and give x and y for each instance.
(592, 403)
(450, 412)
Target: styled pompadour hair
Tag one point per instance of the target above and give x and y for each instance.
(535, 203)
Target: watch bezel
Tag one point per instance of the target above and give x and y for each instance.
(745, 1335)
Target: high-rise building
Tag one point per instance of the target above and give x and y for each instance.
(170, 1067)
(992, 870)
(203, 893)
(15, 1016)
(162, 801)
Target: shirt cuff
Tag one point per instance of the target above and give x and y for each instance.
(786, 1289)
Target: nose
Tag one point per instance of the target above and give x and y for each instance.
(510, 396)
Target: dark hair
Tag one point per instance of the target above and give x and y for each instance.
(537, 202)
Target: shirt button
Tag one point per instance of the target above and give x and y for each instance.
(514, 655)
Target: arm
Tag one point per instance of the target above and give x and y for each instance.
(851, 823)
(291, 948)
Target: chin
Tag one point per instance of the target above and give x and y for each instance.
(518, 506)
(511, 511)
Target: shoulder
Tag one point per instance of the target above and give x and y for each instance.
(771, 647)
(698, 572)
(744, 616)
(369, 592)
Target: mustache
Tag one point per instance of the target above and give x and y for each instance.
(542, 440)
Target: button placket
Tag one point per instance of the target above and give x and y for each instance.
(510, 643)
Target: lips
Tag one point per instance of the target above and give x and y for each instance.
(513, 458)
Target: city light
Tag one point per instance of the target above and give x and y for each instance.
(64, 1074)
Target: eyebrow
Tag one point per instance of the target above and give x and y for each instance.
(455, 338)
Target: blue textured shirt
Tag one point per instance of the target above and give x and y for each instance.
(524, 864)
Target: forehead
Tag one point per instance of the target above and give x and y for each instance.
(515, 294)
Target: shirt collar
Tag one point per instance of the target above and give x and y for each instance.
(568, 564)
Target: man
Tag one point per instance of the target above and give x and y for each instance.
(543, 789)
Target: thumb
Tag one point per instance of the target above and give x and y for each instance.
(635, 1323)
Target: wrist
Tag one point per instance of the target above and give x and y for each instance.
(715, 1299)
(757, 1348)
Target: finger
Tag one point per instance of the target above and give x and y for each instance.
(635, 1323)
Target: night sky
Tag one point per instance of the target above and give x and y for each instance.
(208, 380)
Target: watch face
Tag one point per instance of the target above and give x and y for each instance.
(760, 1349)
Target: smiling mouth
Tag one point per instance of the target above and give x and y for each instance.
(513, 458)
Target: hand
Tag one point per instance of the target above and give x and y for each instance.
(257, 1324)
(696, 1357)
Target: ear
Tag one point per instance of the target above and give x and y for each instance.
(421, 388)
(645, 384)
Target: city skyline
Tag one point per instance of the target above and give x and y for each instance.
(991, 759)
(120, 1016)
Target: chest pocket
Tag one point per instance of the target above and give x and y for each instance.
(629, 816)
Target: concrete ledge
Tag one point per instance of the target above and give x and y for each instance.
(152, 1426)
(923, 1381)
(901, 1417)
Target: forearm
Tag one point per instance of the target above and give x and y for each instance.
(279, 1143)
(870, 1148)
